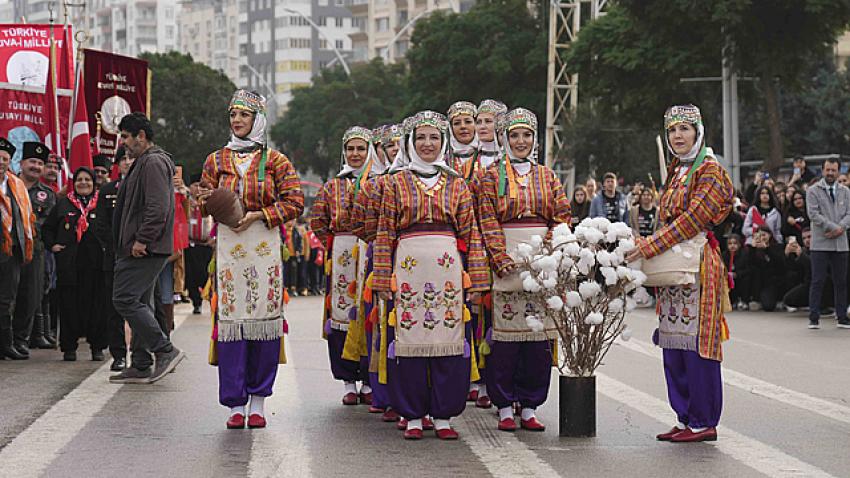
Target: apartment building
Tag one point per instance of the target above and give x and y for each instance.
(209, 31)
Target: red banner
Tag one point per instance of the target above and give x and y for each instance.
(24, 64)
(115, 85)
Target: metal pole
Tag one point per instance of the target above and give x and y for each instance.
(736, 144)
(322, 34)
(551, 120)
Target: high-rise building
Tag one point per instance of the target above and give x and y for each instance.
(284, 43)
(209, 31)
(383, 27)
(129, 27)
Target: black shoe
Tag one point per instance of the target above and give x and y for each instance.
(814, 323)
(118, 364)
(97, 356)
(22, 349)
(51, 340)
(196, 310)
(40, 343)
(131, 375)
(7, 349)
(165, 362)
(70, 356)
(844, 323)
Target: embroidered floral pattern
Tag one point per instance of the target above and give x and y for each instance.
(341, 287)
(345, 258)
(227, 293)
(252, 294)
(238, 252)
(446, 261)
(508, 312)
(408, 264)
(450, 320)
(407, 321)
(263, 249)
(274, 294)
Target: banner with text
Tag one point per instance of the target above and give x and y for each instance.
(114, 86)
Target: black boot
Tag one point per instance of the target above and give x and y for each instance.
(37, 340)
(6, 348)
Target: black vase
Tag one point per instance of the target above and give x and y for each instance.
(577, 406)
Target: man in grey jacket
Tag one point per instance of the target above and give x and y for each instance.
(610, 203)
(143, 231)
(828, 205)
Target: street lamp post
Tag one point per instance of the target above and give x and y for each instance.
(322, 34)
(401, 32)
(272, 94)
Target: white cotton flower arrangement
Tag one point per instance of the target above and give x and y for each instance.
(579, 277)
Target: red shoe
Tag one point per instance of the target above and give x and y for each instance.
(255, 420)
(669, 435)
(401, 424)
(413, 434)
(507, 425)
(366, 398)
(237, 420)
(473, 396)
(350, 398)
(689, 436)
(532, 424)
(427, 423)
(373, 409)
(447, 434)
(390, 415)
(483, 402)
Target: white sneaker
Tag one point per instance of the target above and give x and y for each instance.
(791, 309)
(755, 306)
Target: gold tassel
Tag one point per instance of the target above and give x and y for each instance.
(355, 251)
(351, 349)
(382, 356)
(328, 264)
(391, 320)
(466, 315)
(474, 376)
(554, 352)
(281, 358)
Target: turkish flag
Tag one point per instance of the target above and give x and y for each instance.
(79, 137)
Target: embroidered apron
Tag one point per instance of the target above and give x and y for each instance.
(429, 300)
(511, 303)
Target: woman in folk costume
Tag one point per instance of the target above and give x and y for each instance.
(248, 289)
(365, 212)
(518, 199)
(472, 171)
(330, 220)
(426, 233)
(488, 147)
(698, 195)
(463, 143)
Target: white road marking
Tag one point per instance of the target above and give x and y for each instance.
(34, 449)
(753, 453)
(504, 455)
(280, 450)
(756, 386)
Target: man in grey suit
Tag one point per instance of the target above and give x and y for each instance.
(828, 205)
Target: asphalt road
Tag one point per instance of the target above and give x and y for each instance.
(786, 413)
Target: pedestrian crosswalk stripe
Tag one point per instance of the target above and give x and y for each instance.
(751, 452)
(34, 449)
(825, 408)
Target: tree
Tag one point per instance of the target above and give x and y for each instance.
(311, 130)
(188, 107)
(637, 53)
(496, 50)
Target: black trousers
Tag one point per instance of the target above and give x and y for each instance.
(765, 288)
(114, 321)
(10, 274)
(79, 315)
(198, 259)
(836, 263)
(28, 298)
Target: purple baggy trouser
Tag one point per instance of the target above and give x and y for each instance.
(694, 388)
(519, 372)
(246, 367)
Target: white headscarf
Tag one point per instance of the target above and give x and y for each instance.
(532, 155)
(418, 165)
(347, 169)
(464, 151)
(255, 139)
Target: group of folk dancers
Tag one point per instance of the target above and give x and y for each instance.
(424, 306)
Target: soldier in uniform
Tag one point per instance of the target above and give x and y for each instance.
(28, 321)
(103, 230)
(16, 243)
